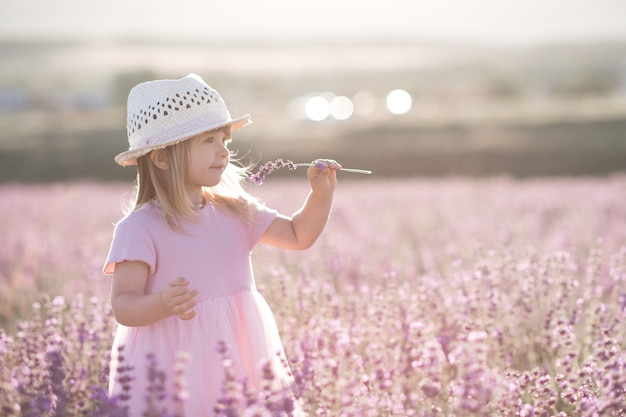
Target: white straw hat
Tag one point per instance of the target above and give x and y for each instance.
(163, 112)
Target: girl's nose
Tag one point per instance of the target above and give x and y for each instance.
(224, 149)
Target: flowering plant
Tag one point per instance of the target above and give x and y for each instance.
(271, 166)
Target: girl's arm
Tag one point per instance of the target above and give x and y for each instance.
(304, 227)
(132, 307)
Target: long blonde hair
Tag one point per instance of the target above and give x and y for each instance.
(168, 186)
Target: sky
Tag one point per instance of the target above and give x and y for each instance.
(519, 22)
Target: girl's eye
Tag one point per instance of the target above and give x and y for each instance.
(225, 140)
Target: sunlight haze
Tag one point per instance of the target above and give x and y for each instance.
(485, 21)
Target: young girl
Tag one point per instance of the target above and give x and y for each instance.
(180, 260)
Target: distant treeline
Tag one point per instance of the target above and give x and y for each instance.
(567, 148)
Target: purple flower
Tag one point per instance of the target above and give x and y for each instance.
(105, 406)
(320, 164)
(269, 167)
(430, 388)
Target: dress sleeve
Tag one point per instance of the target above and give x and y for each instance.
(263, 217)
(130, 242)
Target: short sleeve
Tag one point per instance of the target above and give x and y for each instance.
(261, 220)
(131, 242)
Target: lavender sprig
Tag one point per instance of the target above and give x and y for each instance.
(271, 166)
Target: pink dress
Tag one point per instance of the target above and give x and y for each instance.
(214, 255)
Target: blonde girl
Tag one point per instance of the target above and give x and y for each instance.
(182, 282)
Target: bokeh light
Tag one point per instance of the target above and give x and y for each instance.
(399, 101)
(341, 108)
(317, 108)
(364, 103)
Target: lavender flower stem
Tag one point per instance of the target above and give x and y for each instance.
(357, 171)
(271, 166)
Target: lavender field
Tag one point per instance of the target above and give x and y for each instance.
(451, 297)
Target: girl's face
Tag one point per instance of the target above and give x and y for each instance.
(208, 158)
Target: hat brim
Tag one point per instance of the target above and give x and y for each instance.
(129, 157)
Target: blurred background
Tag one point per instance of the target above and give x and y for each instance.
(520, 88)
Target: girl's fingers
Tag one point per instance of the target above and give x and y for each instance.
(180, 281)
(321, 164)
(179, 299)
(187, 316)
(182, 291)
(175, 292)
(185, 298)
(184, 303)
(186, 306)
(185, 310)
(178, 287)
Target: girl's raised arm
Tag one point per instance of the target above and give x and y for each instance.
(304, 227)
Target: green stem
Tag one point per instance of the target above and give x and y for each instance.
(356, 171)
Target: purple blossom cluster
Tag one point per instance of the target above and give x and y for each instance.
(269, 167)
(238, 400)
(422, 298)
(55, 363)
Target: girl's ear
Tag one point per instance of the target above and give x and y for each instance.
(160, 159)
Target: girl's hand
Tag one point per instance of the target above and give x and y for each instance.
(179, 299)
(322, 175)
